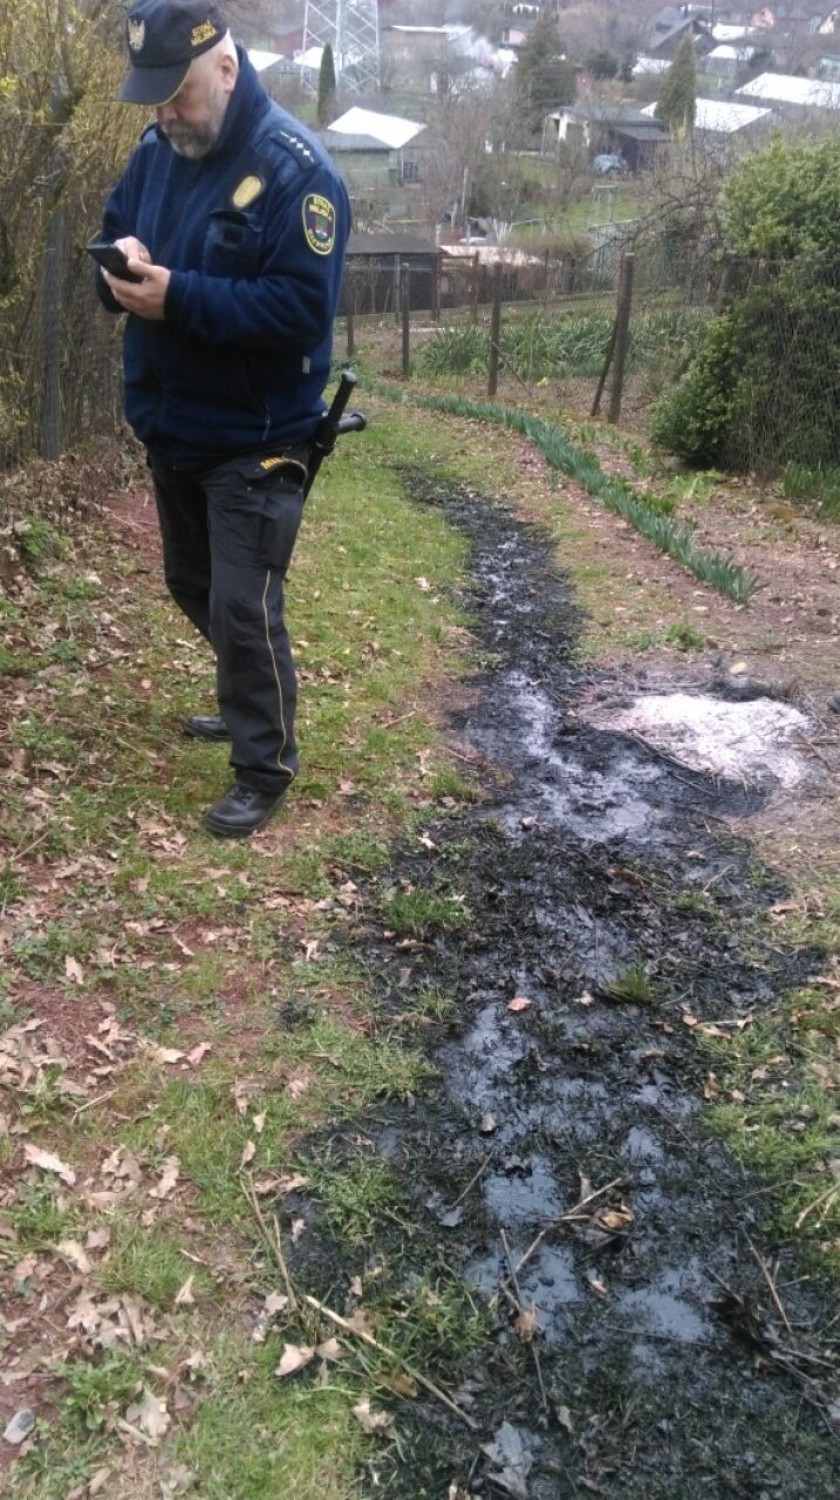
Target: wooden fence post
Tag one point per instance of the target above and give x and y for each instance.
(397, 307)
(474, 289)
(622, 333)
(350, 312)
(435, 297)
(51, 436)
(405, 297)
(495, 330)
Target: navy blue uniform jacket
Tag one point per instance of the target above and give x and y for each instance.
(254, 234)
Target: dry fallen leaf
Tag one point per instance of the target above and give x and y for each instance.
(76, 1255)
(275, 1302)
(330, 1349)
(185, 1298)
(249, 1151)
(295, 1357)
(169, 1177)
(615, 1219)
(49, 1163)
(402, 1385)
(149, 1413)
(73, 970)
(375, 1423)
(527, 1324)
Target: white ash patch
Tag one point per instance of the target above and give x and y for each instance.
(745, 742)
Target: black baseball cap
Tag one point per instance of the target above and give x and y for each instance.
(164, 36)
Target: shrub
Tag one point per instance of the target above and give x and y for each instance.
(764, 388)
(692, 420)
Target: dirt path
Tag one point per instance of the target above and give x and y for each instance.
(643, 1348)
(546, 1228)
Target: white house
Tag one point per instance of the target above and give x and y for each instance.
(783, 89)
(722, 117)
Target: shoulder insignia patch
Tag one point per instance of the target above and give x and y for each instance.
(297, 146)
(247, 191)
(319, 223)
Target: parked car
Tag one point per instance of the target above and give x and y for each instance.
(606, 164)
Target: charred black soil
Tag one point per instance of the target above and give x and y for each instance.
(581, 916)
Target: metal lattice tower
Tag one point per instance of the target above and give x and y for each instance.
(352, 29)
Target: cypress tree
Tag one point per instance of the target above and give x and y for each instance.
(326, 86)
(545, 78)
(677, 101)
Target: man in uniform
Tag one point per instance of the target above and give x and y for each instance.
(235, 221)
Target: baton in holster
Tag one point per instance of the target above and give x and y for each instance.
(331, 426)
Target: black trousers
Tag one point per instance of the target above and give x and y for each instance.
(228, 536)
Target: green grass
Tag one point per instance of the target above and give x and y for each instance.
(777, 1109)
(354, 1192)
(265, 1439)
(632, 987)
(419, 912)
(649, 514)
(539, 346)
(822, 484)
(298, 1040)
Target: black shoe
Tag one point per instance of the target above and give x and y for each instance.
(241, 811)
(211, 727)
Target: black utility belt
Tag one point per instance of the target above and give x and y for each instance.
(284, 465)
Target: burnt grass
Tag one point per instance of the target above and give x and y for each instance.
(596, 879)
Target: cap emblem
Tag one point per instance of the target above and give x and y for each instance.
(202, 33)
(136, 35)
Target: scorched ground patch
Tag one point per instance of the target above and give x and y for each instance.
(640, 1335)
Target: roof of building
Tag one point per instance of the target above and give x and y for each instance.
(263, 60)
(489, 254)
(784, 88)
(600, 114)
(391, 130)
(724, 33)
(336, 141)
(721, 117)
(726, 53)
(646, 66)
(381, 242)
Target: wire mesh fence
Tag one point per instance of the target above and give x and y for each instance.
(729, 363)
(59, 353)
(735, 366)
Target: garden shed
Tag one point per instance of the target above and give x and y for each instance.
(373, 264)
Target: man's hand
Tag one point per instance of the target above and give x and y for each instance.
(133, 248)
(146, 298)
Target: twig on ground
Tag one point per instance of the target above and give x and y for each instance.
(91, 1104)
(272, 1240)
(534, 1351)
(572, 1217)
(473, 1180)
(827, 1198)
(574, 1213)
(777, 1302)
(367, 1338)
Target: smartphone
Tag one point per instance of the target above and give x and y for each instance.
(113, 260)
